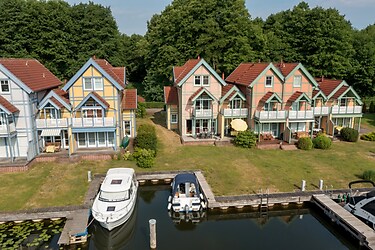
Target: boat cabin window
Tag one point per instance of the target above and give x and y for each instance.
(114, 196)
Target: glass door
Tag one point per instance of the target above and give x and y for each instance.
(91, 139)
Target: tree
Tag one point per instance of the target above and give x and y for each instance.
(218, 31)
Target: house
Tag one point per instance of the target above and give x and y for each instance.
(286, 101)
(92, 110)
(200, 104)
(24, 82)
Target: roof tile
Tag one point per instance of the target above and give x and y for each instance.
(246, 73)
(129, 101)
(170, 95)
(179, 72)
(117, 73)
(328, 85)
(6, 104)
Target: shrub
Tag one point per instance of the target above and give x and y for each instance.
(144, 157)
(368, 137)
(305, 143)
(245, 139)
(146, 137)
(154, 105)
(349, 134)
(369, 175)
(364, 108)
(322, 142)
(141, 110)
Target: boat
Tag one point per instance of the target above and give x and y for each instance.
(186, 195)
(115, 202)
(363, 206)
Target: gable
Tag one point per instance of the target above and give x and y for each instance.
(299, 68)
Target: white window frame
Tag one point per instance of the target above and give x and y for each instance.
(341, 104)
(94, 83)
(4, 82)
(266, 81)
(199, 80)
(127, 126)
(174, 118)
(297, 81)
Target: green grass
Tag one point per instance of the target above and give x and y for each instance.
(368, 121)
(229, 170)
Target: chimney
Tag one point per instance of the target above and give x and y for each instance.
(199, 57)
(44, 75)
(94, 57)
(322, 78)
(64, 81)
(27, 62)
(223, 76)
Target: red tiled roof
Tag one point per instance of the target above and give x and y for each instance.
(246, 73)
(114, 72)
(315, 92)
(100, 98)
(195, 93)
(286, 68)
(328, 85)
(129, 101)
(55, 101)
(295, 96)
(32, 73)
(179, 72)
(225, 89)
(63, 95)
(340, 92)
(6, 104)
(170, 95)
(141, 99)
(266, 96)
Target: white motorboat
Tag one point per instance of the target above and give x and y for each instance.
(186, 195)
(363, 206)
(115, 202)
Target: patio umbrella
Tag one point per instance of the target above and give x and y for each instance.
(239, 125)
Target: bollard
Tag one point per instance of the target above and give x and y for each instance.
(303, 186)
(152, 224)
(89, 176)
(320, 184)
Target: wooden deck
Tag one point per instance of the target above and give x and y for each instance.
(352, 224)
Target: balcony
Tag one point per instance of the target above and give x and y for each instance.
(52, 123)
(202, 113)
(336, 110)
(93, 122)
(242, 112)
(301, 115)
(321, 111)
(271, 115)
(6, 130)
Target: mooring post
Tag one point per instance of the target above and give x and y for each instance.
(152, 224)
(303, 186)
(320, 184)
(89, 176)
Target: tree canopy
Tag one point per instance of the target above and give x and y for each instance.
(63, 37)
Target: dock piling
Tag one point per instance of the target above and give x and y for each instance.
(303, 186)
(152, 223)
(89, 179)
(320, 184)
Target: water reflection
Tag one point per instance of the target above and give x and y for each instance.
(292, 228)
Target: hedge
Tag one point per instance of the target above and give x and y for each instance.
(245, 139)
(305, 143)
(154, 105)
(146, 137)
(322, 142)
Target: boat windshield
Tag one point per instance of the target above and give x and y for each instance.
(114, 196)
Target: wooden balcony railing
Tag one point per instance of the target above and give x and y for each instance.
(52, 123)
(300, 114)
(7, 129)
(270, 115)
(202, 113)
(347, 110)
(241, 112)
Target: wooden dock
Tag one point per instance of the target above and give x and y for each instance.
(211, 201)
(352, 224)
(75, 229)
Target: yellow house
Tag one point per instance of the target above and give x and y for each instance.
(92, 110)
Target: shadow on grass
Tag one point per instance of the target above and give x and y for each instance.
(159, 118)
(370, 119)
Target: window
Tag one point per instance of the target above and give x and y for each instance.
(236, 103)
(201, 80)
(269, 81)
(197, 80)
(127, 128)
(342, 102)
(81, 139)
(297, 81)
(173, 118)
(4, 86)
(93, 83)
(205, 81)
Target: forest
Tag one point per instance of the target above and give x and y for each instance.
(64, 36)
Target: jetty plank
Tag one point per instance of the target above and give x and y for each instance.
(75, 224)
(363, 232)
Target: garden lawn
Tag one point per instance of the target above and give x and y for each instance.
(229, 170)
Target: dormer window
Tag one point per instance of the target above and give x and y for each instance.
(201, 80)
(343, 102)
(297, 81)
(4, 86)
(93, 83)
(269, 81)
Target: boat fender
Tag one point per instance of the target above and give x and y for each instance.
(201, 195)
(169, 206)
(169, 198)
(203, 204)
(186, 209)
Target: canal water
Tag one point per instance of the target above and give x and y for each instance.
(291, 228)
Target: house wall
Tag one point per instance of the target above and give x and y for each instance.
(289, 89)
(26, 144)
(188, 89)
